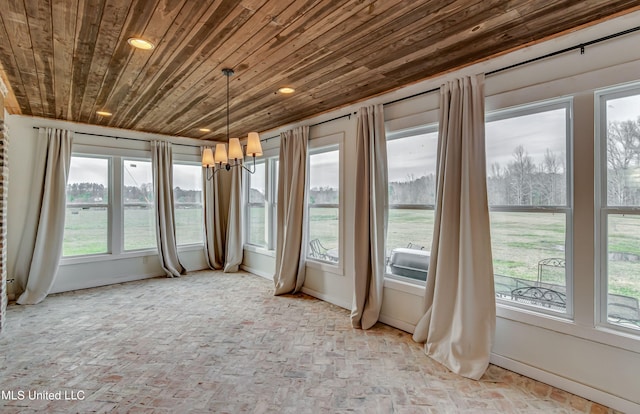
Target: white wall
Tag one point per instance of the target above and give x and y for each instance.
(575, 355)
(82, 273)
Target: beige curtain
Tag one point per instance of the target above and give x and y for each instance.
(371, 216)
(162, 162)
(234, 252)
(215, 223)
(40, 249)
(291, 234)
(459, 320)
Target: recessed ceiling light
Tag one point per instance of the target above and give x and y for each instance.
(140, 43)
(204, 130)
(104, 113)
(286, 90)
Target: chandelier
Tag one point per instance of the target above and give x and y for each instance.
(221, 160)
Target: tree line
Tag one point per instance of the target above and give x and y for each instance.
(89, 193)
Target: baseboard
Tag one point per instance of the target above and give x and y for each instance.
(257, 272)
(69, 285)
(326, 298)
(397, 323)
(565, 384)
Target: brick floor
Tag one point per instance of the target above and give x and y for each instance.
(214, 342)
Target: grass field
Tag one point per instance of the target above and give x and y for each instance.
(519, 240)
(86, 230)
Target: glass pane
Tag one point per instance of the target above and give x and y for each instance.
(87, 214)
(526, 159)
(139, 220)
(529, 258)
(324, 199)
(256, 234)
(623, 156)
(412, 163)
(187, 198)
(412, 169)
(623, 268)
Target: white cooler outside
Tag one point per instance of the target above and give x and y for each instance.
(410, 263)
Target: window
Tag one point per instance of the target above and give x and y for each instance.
(86, 229)
(323, 203)
(529, 190)
(137, 197)
(411, 163)
(187, 199)
(261, 200)
(619, 202)
(257, 220)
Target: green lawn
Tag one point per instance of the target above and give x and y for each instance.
(86, 229)
(519, 240)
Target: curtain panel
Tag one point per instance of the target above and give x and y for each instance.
(371, 217)
(215, 223)
(291, 212)
(41, 244)
(459, 320)
(234, 251)
(162, 162)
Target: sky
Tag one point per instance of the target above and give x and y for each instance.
(411, 156)
(95, 170)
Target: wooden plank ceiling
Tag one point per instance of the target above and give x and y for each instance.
(67, 59)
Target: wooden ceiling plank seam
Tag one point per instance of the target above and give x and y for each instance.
(109, 31)
(283, 63)
(179, 66)
(235, 80)
(156, 28)
(12, 75)
(249, 108)
(334, 35)
(266, 49)
(135, 23)
(64, 27)
(211, 76)
(260, 15)
(15, 19)
(90, 14)
(38, 14)
(176, 34)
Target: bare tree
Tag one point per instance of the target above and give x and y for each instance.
(521, 171)
(623, 153)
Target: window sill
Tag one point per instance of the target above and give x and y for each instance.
(67, 261)
(260, 250)
(190, 247)
(336, 269)
(391, 282)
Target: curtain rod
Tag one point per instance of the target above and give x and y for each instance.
(127, 138)
(316, 124)
(580, 46)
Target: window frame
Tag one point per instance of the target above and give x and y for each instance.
(392, 136)
(270, 157)
(529, 109)
(180, 161)
(320, 145)
(602, 209)
(109, 205)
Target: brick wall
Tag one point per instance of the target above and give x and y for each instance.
(4, 175)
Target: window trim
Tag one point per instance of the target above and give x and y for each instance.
(567, 209)
(318, 145)
(429, 128)
(109, 205)
(199, 165)
(269, 158)
(602, 209)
